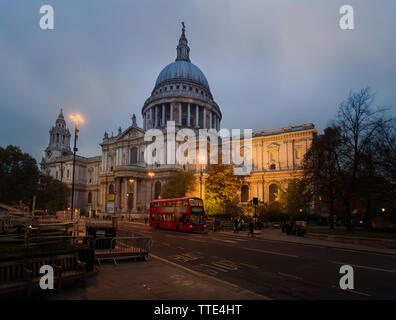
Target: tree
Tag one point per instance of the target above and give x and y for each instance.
(359, 124)
(52, 194)
(295, 198)
(320, 168)
(18, 176)
(221, 189)
(179, 185)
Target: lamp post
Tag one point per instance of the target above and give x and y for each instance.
(151, 175)
(201, 159)
(76, 118)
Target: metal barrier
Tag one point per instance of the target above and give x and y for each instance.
(122, 248)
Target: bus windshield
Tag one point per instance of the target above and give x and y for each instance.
(197, 215)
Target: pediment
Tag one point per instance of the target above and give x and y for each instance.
(131, 133)
(273, 145)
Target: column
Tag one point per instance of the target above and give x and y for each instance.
(144, 121)
(171, 112)
(215, 120)
(163, 115)
(156, 116)
(197, 116)
(210, 119)
(117, 196)
(151, 117)
(204, 117)
(180, 114)
(188, 115)
(125, 208)
(135, 193)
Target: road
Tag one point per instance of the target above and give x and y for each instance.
(276, 269)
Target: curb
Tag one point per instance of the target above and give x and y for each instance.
(208, 277)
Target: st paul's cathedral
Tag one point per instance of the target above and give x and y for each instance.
(120, 181)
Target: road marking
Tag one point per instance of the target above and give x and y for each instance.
(353, 291)
(181, 248)
(218, 268)
(290, 276)
(249, 266)
(165, 243)
(364, 267)
(367, 252)
(228, 241)
(169, 236)
(200, 274)
(271, 252)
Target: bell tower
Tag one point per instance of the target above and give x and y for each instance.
(59, 142)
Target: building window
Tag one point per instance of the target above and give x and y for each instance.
(111, 189)
(157, 190)
(134, 156)
(177, 87)
(272, 166)
(56, 174)
(67, 173)
(244, 193)
(273, 192)
(89, 197)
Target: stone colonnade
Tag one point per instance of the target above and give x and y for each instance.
(184, 114)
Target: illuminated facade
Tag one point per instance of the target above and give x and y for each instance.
(119, 181)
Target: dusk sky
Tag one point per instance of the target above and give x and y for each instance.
(269, 64)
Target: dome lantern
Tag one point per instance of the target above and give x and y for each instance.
(183, 50)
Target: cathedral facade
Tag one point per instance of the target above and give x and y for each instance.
(121, 181)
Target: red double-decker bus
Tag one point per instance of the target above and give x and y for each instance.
(181, 214)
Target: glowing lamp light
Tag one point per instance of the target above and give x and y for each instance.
(76, 118)
(151, 174)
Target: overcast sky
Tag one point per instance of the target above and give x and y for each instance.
(269, 63)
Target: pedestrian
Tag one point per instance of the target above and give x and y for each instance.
(251, 229)
(214, 224)
(236, 225)
(218, 224)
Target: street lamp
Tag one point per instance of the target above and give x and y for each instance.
(76, 118)
(201, 160)
(151, 175)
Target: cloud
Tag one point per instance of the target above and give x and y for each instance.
(269, 63)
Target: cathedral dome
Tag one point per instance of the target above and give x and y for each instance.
(182, 70)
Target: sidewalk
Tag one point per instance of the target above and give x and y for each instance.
(278, 235)
(154, 279)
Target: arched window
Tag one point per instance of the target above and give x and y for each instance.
(90, 197)
(134, 156)
(244, 193)
(273, 192)
(111, 189)
(157, 190)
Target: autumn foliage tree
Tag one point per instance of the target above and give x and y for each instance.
(221, 190)
(179, 185)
